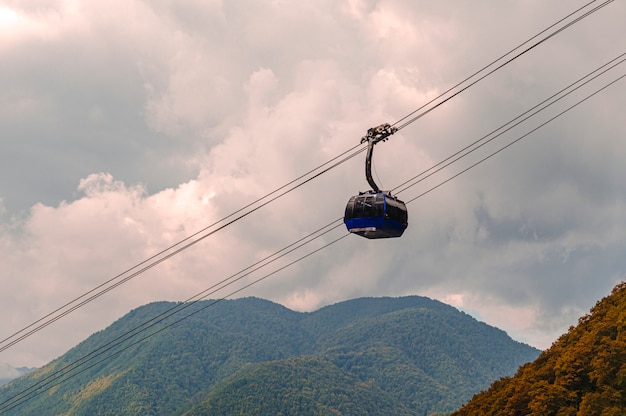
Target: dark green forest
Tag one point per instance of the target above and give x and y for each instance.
(582, 374)
(302, 385)
(369, 356)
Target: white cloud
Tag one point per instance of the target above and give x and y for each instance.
(194, 109)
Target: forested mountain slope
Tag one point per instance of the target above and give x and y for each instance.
(299, 386)
(583, 373)
(409, 355)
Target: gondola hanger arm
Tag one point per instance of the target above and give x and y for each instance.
(373, 136)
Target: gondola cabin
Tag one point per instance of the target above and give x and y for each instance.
(376, 215)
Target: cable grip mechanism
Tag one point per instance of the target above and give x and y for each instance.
(379, 133)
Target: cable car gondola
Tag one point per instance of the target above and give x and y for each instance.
(375, 214)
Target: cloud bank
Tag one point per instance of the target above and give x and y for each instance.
(128, 126)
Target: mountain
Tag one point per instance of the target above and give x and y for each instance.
(582, 373)
(401, 356)
(8, 373)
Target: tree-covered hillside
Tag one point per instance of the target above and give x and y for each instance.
(582, 374)
(299, 386)
(408, 355)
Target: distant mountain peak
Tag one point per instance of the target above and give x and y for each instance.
(8, 372)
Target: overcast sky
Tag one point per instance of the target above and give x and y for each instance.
(128, 125)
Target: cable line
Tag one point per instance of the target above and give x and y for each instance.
(517, 140)
(63, 374)
(549, 36)
(511, 124)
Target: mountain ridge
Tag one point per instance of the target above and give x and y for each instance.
(424, 355)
